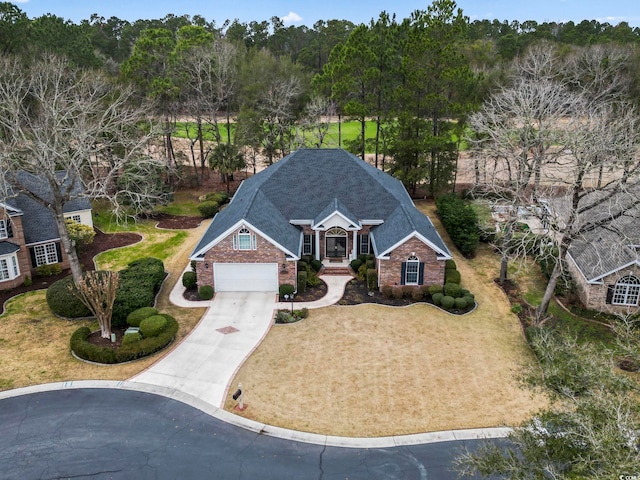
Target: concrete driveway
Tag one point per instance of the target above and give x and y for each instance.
(206, 360)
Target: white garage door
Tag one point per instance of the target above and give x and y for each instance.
(246, 277)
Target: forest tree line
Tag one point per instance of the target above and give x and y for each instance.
(273, 86)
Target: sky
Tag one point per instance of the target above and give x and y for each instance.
(307, 12)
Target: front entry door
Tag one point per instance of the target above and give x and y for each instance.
(337, 247)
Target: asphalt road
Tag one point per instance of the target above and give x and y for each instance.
(123, 434)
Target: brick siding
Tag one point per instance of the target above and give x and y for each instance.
(390, 271)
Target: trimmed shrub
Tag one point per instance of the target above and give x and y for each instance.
(131, 338)
(447, 302)
(302, 281)
(152, 326)
(64, 303)
(27, 281)
(437, 298)
(417, 294)
(451, 276)
(460, 303)
(147, 346)
(80, 234)
(450, 264)
(82, 348)
(205, 292)
(363, 257)
(470, 300)
(407, 291)
(425, 291)
(433, 289)
(219, 197)
(138, 285)
(464, 292)
(355, 265)
(372, 279)
(362, 272)
(189, 280)
(286, 289)
(469, 294)
(312, 279)
(49, 270)
(461, 222)
(387, 291)
(135, 317)
(306, 258)
(302, 313)
(316, 265)
(284, 316)
(370, 264)
(397, 292)
(452, 290)
(208, 208)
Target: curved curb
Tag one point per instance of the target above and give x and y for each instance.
(264, 429)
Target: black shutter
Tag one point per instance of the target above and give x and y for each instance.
(610, 289)
(9, 228)
(59, 252)
(403, 272)
(32, 253)
(421, 273)
(359, 247)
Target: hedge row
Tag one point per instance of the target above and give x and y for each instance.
(461, 223)
(138, 286)
(128, 350)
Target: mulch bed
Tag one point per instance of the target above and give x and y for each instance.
(101, 243)
(96, 339)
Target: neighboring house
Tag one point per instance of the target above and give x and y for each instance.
(29, 235)
(606, 267)
(323, 203)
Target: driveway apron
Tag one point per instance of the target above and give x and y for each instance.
(206, 360)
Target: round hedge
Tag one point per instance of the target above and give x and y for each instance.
(448, 302)
(189, 279)
(64, 303)
(205, 292)
(135, 317)
(437, 298)
(470, 300)
(131, 338)
(433, 289)
(461, 302)
(452, 290)
(152, 326)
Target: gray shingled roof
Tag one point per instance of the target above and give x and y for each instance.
(38, 222)
(311, 184)
(7, 248)
(607, 248)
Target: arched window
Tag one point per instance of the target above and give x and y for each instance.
(411, 272)
(627, 291)
(244, 240)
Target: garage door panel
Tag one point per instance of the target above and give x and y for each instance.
(246, 277)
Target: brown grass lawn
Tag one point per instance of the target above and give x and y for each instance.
(34, 344)
(372, 370)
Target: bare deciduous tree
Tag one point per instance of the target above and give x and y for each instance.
(67, 134)
(565, 151)
(97, 290)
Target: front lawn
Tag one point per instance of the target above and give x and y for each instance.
(372, 370)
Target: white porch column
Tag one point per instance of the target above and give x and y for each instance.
(355, 246)
(317, 244)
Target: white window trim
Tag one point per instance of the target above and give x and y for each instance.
(364, 244)
(242, 233)
(9, 268)
(626, 291)
(45, 254)
(411, 261)
(307, 247)
(4, 231)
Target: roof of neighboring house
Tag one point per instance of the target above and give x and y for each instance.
(608, 248)
(312, 184)
(7, 248)
(38, 221)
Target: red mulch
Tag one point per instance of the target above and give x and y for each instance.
(101, 243)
